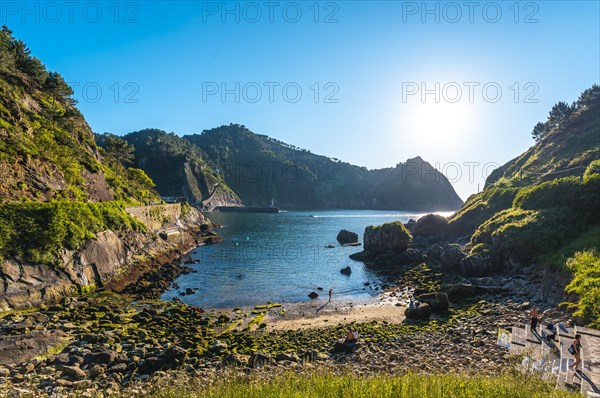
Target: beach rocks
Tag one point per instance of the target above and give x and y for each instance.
(347, 237)
(313, 295)
(437, 301)
(105, 357)
(346, 270)
(73, 373)
(475, 265)
(423, 311)
(19, 348)
(450, 256)
(461, 290)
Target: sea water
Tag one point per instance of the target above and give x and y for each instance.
(280, 257)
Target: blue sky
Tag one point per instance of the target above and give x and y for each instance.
(343, 79)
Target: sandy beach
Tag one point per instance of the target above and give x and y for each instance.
(319, 313)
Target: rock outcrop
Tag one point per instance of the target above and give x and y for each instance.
(346, 237)
(431, 226)
(389, 237)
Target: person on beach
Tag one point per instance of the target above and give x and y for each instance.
(330, 294)
(534, 316)
(351, 337)
(576, 352)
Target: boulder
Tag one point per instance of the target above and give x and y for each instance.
(461, 290)
(313, 295)
(450, 256)
(410, 224)
(431, 226)
(475, 265)
(433, 251)
(339, 347)
(15, 349)
(346, 237)
(283, 356)
(389, 237)
(437, 301)
(173, 357)
(346, 271)
(423, 311)
(72, 373)
(235, 359)
(105, 357)
(259, 359)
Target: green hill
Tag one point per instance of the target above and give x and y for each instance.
(542, 207)
(47, 150)
(177, 168)
(58, 189)
(259, 168)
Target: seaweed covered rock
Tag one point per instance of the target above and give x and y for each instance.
(389, 237)
(431, 226)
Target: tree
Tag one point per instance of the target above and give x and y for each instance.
(589, 99)
(559, 114)
(119, 151)
(539, 131)
(58, 87)
(7, 59)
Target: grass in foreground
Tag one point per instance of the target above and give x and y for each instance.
(326, 384)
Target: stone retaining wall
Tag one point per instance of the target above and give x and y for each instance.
(156, 217)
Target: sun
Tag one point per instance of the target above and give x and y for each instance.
(440, 123)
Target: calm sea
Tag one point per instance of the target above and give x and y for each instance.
(280, 258)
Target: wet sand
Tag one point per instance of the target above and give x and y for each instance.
(319, 313)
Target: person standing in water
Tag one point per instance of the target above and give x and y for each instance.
(330, 294)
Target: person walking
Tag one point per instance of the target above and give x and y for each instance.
(330, 294)
(575, 350)
(534, 317)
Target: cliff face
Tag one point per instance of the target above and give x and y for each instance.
(178, 169)
(99, 262)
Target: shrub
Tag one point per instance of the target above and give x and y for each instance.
(592, 171)
(526, 234)
(585, 266)
(37, 232)
(568, 192)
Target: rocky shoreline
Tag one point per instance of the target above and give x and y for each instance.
(119, 344)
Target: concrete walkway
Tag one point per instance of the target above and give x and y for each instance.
(552, 359)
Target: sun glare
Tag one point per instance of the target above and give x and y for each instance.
(437, 123)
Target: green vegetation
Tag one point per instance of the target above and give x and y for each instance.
(542, 207)
(177, 167)
(37, 232)
(478, 208)
(585, 266)
(47, 150)
(558, 257)
(326, 383)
